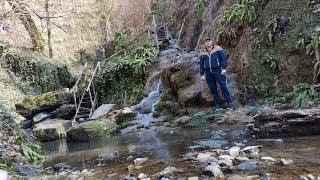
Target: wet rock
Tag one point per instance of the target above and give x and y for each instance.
(215, 169)
(218, 135)
(40, 117)
(189, 156)
(130, 167)
(308, 177)
(206, 158)
(142, 176)
(182, 121)
(91, 130)
(168, 171)
(287, 114)
(46, 102)
(216, 144)
(286, 162)
(108, 156)
(140, 161)
(102, 111)
(51, 129)
(234, 151)
(252, 148)
(27, 170)
(241, 159)
(247, 165)
(26, 124)
(196, 148)
(66, 111)
(61, 167)
(275, 141)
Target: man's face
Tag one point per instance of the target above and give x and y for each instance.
(208, 43)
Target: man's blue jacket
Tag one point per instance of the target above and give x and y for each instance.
(214, 60)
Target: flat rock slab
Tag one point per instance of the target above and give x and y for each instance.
(51, 129)
(288, 114)
(103, 110)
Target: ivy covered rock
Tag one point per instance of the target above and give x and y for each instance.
(35, 69)
(46, 102)
(92, 130)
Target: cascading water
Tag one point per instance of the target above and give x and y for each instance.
(147, 106)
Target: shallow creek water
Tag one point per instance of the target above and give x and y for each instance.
(164, 147)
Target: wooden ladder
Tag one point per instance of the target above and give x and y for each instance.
(85, 93)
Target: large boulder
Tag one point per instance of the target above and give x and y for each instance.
(51, 129)
(102, 111)
(91, 130)
(301, 122)
(66, 111)
(46, 102)
(183, 80)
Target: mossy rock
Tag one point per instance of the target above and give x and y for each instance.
(46, 102)
(92, 130)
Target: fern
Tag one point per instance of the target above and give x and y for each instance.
(313, 45)
(303, 94)
(272, 62)
(33, 152)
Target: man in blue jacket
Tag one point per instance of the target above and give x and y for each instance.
(213, 68)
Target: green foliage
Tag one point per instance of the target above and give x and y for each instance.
(303, 94)
(242, 12)
(254, 111)
(33, 152)
(313, 45)
(36, 70)
(316, 72)
(121, 39)
(272, 62)
(122, 78)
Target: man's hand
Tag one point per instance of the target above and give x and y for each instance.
(223, 72)
(203, 77)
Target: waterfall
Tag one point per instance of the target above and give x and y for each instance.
(147, 106)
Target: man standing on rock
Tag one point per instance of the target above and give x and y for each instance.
(213, 68)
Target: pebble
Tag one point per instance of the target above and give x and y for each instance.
(215, 169)
(247, 165)
(130, 167)
(139, 161)
(168, 171)
(142, 176)
(234, 151)
(193, 178)
(269, 159)
(286, 162)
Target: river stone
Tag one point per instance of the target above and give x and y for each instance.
(61, 167)
(66, 111)
(269, 159)
(215, 169)
(193, 178)
(286, 162)
(91, 130)
(26, 124)
(206, 158)
(27, 170)
(40, 117)
(4, 175)
(139, 161)
(51, 129)
(216, 144)
(196, 148)
(168, 171)
(247, 165)
(103, 110)
(142, 176)
(46, 102)
(234, 151)
(108, 156)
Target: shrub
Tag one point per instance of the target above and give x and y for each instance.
(272, 62)
(122, 78)
(303, 94)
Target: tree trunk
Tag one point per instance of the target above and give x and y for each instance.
(49, 29)
(29, 24)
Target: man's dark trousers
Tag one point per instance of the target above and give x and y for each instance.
(212, 78)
